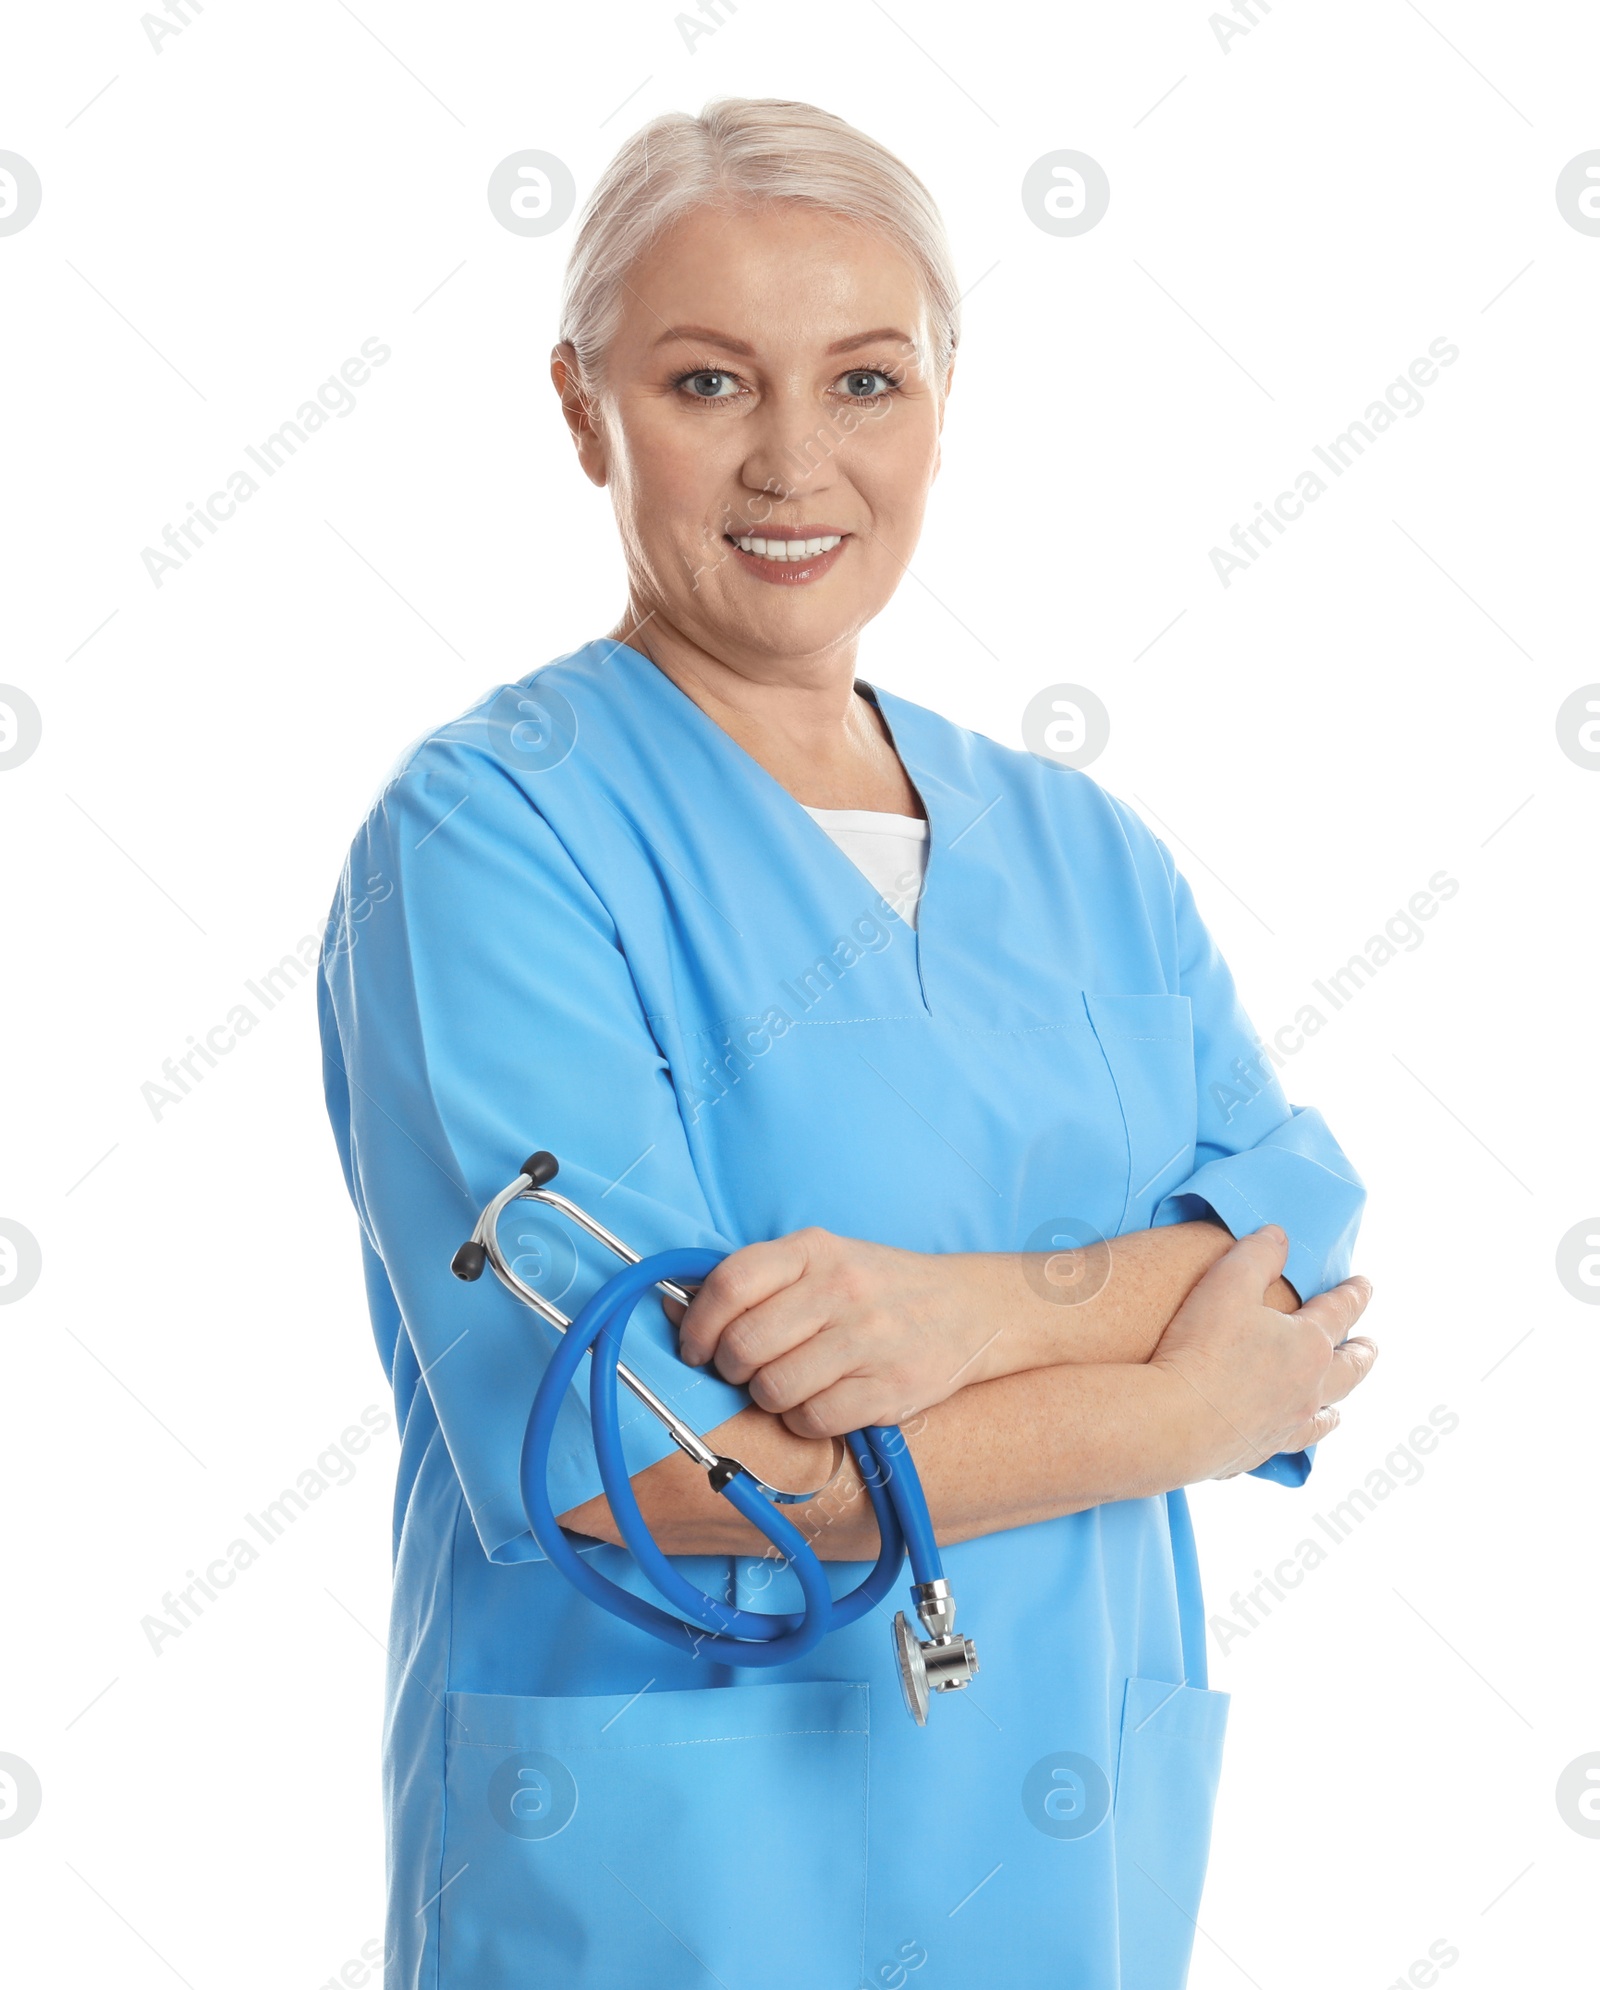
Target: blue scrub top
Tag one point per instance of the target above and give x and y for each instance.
(581, 917)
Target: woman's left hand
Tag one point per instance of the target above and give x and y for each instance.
(833, 1334)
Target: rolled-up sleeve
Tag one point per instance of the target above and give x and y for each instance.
(1258, 1159)
(476, 1005)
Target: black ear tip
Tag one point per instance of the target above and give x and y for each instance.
(541, 1168)
(469, 1261)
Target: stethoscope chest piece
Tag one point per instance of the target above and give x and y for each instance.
(945, 1663)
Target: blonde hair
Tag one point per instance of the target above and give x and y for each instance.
(745, 151)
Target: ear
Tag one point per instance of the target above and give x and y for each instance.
(579, 413)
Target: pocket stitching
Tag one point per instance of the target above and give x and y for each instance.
(1102, 1022)
(699, 1741)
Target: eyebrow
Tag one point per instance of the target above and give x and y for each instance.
(707, 336)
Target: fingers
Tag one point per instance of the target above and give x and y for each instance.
(849, 1405)
(1250, 1264)
(745, 1278)
(814, 1363)
(1323, 1424)
(1351, 1364)
(1312, 1431)
(778, 1328)
(1337, 1310)
(1348, 1366)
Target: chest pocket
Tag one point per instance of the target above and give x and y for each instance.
(1148, 1042)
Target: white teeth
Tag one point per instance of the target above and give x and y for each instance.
(788, 549)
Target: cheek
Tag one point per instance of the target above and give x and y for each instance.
(669, 463)
(669, 489)
(891, 460)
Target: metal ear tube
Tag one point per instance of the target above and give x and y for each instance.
(482, 1250)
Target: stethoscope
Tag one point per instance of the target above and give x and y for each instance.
(941, 1663)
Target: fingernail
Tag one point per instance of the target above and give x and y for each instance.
(1276, 1233)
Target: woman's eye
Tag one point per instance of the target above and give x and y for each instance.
(866, 383)
(862, 383)
(709, 386)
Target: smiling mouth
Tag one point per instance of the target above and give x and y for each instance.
(786, 548)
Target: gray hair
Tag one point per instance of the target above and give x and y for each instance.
(744, 151)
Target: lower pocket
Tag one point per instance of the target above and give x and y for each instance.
(671, 1839)
(1168, 1763)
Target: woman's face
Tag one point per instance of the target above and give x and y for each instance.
(766, 383)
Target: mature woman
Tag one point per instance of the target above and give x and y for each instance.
(782, 964)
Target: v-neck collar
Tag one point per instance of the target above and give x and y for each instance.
(915, 736)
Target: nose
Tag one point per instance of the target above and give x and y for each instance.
(792, 443)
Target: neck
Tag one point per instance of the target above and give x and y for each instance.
(802, 718)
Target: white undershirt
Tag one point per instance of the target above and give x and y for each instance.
(890, 851)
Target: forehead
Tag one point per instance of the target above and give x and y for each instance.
(777, 276)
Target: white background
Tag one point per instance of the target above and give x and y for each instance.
(1291, 224)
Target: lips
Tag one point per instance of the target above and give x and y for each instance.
(802, 542)
(788, 556)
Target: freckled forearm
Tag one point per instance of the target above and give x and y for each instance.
(1109, 1303)
(1003, 1453)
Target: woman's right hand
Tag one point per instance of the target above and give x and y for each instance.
(1258, 1381)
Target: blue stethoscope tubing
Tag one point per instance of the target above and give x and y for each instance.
(719, 1631)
